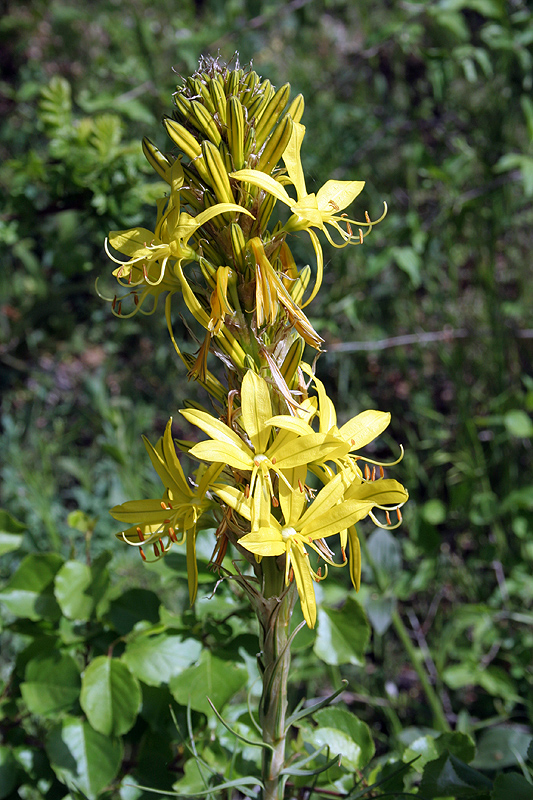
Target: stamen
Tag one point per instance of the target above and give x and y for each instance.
(381, 472)
(275, 502)
(300, 486)
(349, 229)
(373, 478)
(113, 304)
(156, 550)
(136, 299)
(333, 205)
(274, 460)
(360, 236)
(399, 514)
(119, 309)
(291, 575)
(367, 472)
(142, 554)
(367, 218)
(140, 534)
(163, 506)
(387, 516)
(247, 491)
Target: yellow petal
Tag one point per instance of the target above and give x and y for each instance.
(292, 159)
(364, 428)
(288, 423)
(133, 242)
(336, 195)
(213, 427)
(383, 492)
(265, 182)
(256, 410)
(264, 542)
(336, 519)
(354, 557)
(317, 447)
(304, 584)
(222, 453)
(325, 499)
(141, 512)
(235, 499)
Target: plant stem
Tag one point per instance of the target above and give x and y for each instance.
(439, 717)
(274, 620)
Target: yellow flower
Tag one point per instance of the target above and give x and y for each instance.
(294, 445)
(175, 516)
(311, 210)
(155, 258)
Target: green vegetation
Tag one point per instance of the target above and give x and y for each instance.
(430, 104)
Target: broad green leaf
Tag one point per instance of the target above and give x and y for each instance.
(379, 611)
(501, 747)
(83, 758)
(157, 659)
(386, 552)
(430, 747)
(51, 684)
(29, 593)
(132, 607)
(110, 696)
(11, 531)
(342, 634)
(447, 776)
(358, 747)
(211, 677)
(8, 771)
(80, 587)
(511, 786)
(518, 423)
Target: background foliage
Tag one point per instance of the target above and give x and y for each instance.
(431, 105)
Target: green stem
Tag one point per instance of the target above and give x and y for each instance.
(439, 717)
(274, 620)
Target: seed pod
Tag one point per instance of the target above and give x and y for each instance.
(275, 145)
(238, 244)
(205, 123)
(235, 131)
(157, 160)
(216, 173)
(216, 89)
(182, 138)
(292, 361)
(296, 108)
(271, 114)
(299, 286)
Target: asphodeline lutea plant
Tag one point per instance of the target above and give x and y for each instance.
(280, 482)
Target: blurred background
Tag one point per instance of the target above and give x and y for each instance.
(429, 103)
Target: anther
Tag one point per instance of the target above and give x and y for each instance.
(367, 472)
(291, 575)
(156, 550)
(399, 514)
(130, 276)
(275, 502)
(119, 309)
(387, 515)
(381, 472)
(142, 554)
(136, 299)
(140, 534)
(334, 205)
(164, 506)
(319, 572)
(172, 534)
(349, 229)
(247, 491)
(300, 486)
(120, 272)
(360, 236)
(367, 218)
(113, 304)
(373, 474)
(274, 460)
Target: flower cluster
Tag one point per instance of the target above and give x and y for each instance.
(276, 472)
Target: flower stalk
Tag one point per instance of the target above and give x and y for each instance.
(285, 483)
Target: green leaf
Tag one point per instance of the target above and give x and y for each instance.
(132, 607)
(345, 734)
(511, 785)
(80, 587)
(11, 531)
(447, 776)
(82, 757)
(29, 593)
(8, 772)
(342, 635)
(409, 260)
(386, 552)
(110, 696)
(428, 748)
(518, 423)
(499, 747)
(379, 611)
(157, 659)
(51, 684)
(211, 677)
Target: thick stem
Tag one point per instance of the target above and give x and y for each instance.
(274, 619)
